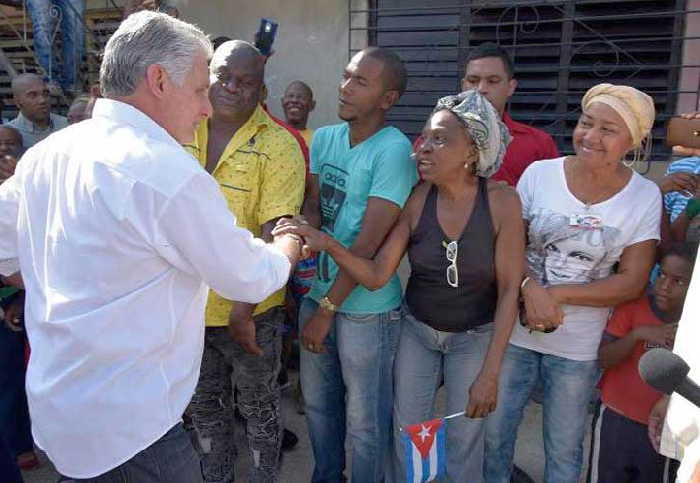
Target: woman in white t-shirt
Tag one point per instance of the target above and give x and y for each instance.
(584, 214)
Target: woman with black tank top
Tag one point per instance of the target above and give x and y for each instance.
(465, 241)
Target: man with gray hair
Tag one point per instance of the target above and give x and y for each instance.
(118, 232)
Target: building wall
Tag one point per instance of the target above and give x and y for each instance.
(311, 44)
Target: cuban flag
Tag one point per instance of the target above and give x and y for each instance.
(424, 446)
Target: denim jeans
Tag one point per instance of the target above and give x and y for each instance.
(226, 365)
(568, 386)
(44, 14)
(425, 358)
(171, 459)
(350, 387)
(9, 471)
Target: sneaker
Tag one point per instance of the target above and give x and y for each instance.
(289, 440)
(519, 476)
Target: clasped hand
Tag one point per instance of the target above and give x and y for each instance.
(542, 310)
(313, 240)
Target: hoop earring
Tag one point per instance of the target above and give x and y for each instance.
(640, 153)
(630, 164)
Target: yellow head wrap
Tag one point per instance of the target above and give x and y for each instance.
(635, 107)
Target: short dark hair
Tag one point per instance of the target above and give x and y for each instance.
(686, 250)
(305, 87)
(17, 134)
(220, 40)
(394, 73)
(490, 49)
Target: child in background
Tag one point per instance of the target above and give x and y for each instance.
(621, 452)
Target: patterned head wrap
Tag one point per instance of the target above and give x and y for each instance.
(484, 125)
(634, 107)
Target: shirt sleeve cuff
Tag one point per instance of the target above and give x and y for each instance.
(281, 265)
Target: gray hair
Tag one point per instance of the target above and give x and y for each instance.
(147, 38)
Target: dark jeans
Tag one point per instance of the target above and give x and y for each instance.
(171, 459)
(15, 427)
(9, 472)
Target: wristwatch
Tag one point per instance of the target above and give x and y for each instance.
(325, 303)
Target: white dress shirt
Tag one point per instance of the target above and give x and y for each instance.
(118, 232)
(681, 437)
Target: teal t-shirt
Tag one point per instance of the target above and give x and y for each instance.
(381, 167)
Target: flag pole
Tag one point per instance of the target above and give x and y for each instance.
(461, 413)
(455, 415)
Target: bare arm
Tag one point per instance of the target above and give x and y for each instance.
(679, 227)
(374, 274)
(625, 285)
(614, 350)
(510, 264)
(311, 209)
(240, 320)
(667, 235)
(379, 218)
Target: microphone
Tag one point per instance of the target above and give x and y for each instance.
(668, 373)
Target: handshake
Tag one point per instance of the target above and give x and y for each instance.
(307, 238)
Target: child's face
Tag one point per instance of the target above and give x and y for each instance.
(672, 285)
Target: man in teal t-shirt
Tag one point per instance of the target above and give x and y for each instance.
(349, 334)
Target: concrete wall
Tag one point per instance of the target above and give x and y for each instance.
(690, 76)
(311, 44)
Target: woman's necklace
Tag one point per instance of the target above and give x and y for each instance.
(607, 192)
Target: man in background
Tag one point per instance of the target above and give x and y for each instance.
(297, 103)
(11, 148)
(35, 120)
(490, 71)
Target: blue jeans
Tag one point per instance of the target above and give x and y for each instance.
(44, 14)
(568, 386)
(351, 384)
(171, 459)
(424, 358)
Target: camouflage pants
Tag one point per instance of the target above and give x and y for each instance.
(225, 366)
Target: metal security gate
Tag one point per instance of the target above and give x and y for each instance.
(560, 49)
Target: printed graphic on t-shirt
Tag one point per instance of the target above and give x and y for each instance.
(333, 181)
(561, 251)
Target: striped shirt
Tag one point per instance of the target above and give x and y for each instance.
(675, 201)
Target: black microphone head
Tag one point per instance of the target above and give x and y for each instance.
(663, 370)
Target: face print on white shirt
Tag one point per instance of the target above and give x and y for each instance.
(559, 253)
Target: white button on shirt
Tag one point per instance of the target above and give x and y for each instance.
(118, 232)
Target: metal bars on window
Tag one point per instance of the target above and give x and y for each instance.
(560, 49)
